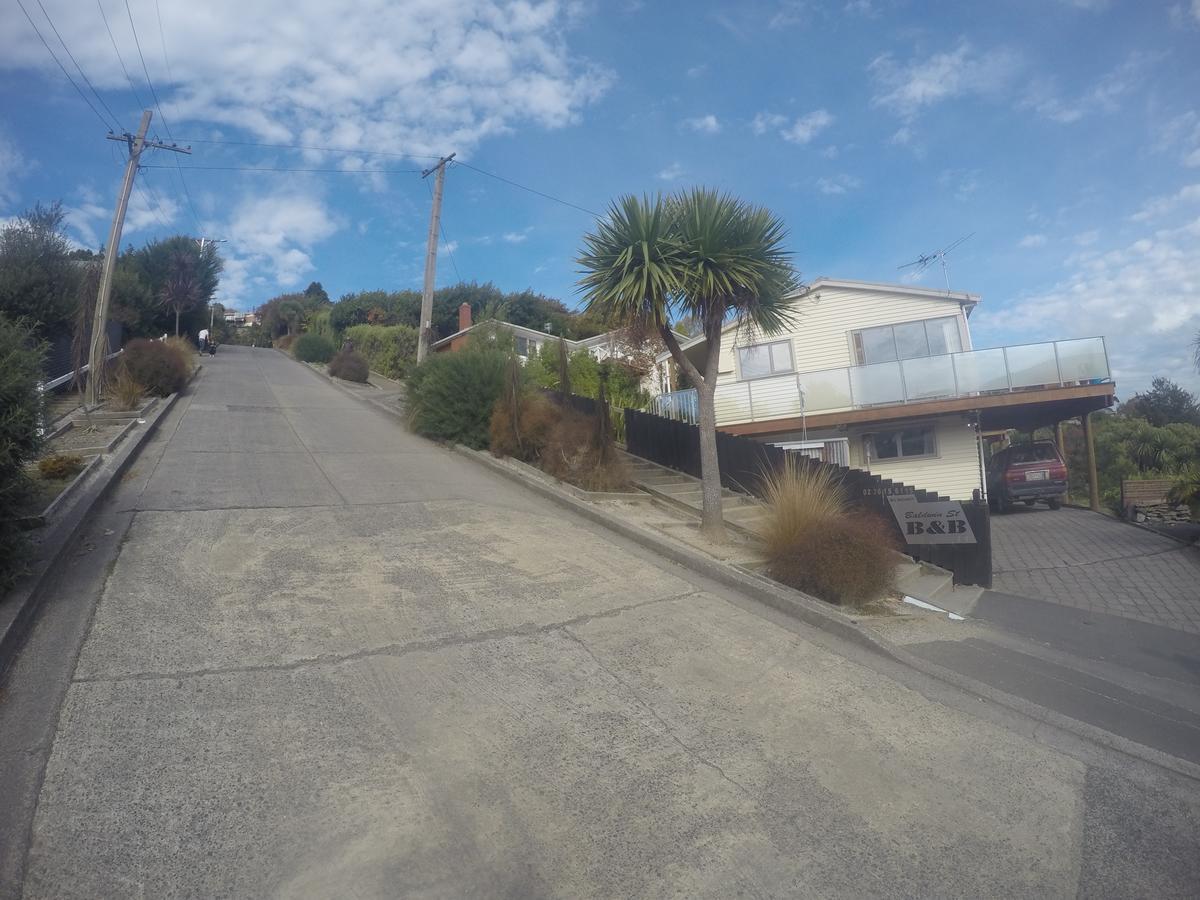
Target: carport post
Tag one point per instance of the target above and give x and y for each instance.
(1060, 440)
(1093, 487)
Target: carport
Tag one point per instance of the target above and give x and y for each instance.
(1050, 408)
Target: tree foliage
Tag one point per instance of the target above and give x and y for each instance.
(164, 277)
(39, 276)
(20, 413)
(699, 254)
(1164, 403)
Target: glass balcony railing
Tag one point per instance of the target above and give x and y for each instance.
(966, 374)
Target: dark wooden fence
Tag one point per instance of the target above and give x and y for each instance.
(59, 356)
(676, 445)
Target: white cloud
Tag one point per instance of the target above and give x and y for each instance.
(789, 13)
(766, 121)
(838, 184)
(1182, 135)
(1182, 15)
(1143, 298)
(670, 173)
(1104, 97)
(830, 152)
(13, 166)
(1032, 240)
(1160, 206)
(865, 8)
(697, 71)
(516, 237)
(906, 88)
(1086, 238)
(1088, 5)
(807, 127)
(704, 124)
(271, 238)
(963, 182)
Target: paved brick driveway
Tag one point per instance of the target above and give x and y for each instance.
(1080, 558)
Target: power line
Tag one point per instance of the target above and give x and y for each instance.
(531, 190)
(79, 68)
(290, 169)
(303, 147)
(158, 202)
(153, 207)
(446, 240)
(91, 106)
(136, 95)
(162, 40)
(166, 125)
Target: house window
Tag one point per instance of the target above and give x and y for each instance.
(908, 340)
(903, 443)
(765, 360)
(525, 346)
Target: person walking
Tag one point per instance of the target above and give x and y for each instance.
(203, 339)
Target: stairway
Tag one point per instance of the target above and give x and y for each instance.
(745, 514)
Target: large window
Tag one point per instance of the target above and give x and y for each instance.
(908, 340)
(903, 443)
(764, 360)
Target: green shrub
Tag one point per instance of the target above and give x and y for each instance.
(451, 395)
(390, 350)
(162, 368)
(20, 412)
(60, 466)
(313, 348)
(349, 366)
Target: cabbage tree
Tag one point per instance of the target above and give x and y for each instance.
(699, 254)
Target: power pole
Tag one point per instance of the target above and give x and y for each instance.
(137, 143)
(204, 242)
(431, 256)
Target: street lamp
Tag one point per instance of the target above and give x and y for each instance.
(204, 242)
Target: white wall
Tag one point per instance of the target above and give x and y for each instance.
(953, 472)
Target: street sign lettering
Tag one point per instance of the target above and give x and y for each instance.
(933, 522)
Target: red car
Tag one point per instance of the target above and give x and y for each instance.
(1027, 473)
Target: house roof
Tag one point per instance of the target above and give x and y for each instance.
(967, 301)
(519, 329)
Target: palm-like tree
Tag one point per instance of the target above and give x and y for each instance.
(182, 288)
(701, 254)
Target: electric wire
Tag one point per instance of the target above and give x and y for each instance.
(153, 207)
(79, 90)
(162, 40)
(166, 125)
(446, 240)
(78, 67)
(120, 59)
(529, 189)
(292, 169)
(154, 195)
(303, 147)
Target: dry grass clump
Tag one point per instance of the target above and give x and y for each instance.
(350, 366)
(60, 466)
(575, 453)
(522, 433)
(814, 544)
(124, 391)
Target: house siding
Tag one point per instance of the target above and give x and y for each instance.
(823, 320)
(953, 471)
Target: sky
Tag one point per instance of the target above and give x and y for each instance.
(1063, 136)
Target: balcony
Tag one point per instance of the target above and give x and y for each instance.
(971, 373)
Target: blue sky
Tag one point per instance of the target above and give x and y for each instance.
(1064, 134)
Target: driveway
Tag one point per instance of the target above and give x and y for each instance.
(327, 658)
(1084, 559)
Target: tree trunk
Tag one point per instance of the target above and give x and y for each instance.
(712, 522)
(177, 321)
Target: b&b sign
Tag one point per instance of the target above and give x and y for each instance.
(936, 522)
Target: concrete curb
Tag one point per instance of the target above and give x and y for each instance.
(18, 608)
(822, 616)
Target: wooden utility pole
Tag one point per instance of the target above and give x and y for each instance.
(1093, 485)
(435, 217)
(137, 143)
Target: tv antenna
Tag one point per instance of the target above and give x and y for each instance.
(925, 260)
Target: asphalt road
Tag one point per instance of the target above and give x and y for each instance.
(301, 652)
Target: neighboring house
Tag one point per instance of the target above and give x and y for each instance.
(529, 341)
(885, 378)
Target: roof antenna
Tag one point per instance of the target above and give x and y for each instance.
(925, 260)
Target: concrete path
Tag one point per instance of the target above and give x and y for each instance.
(328, 658)
(1089, 561)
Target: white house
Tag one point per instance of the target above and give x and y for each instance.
(886, 378)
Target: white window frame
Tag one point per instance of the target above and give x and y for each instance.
(873, 457)
(856, 341)
(767, 346)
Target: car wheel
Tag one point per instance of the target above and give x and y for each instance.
(1055, 502)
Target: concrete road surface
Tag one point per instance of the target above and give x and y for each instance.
(303, 653)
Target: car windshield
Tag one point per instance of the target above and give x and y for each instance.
(1033, 453)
